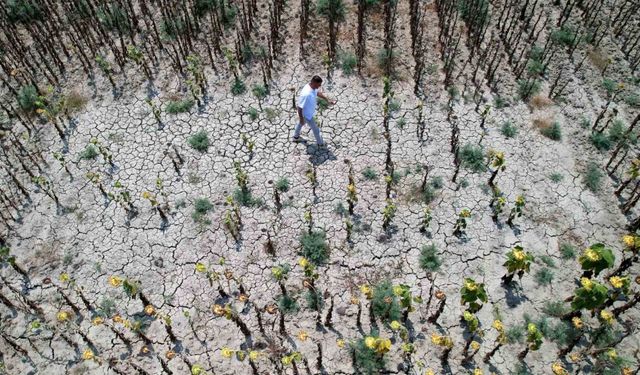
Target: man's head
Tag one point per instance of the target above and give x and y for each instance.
(316, 82)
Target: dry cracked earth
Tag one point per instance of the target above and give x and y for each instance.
(77, 255)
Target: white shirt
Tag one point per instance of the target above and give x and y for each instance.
(307, 101)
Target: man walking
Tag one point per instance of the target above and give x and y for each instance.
(307, 108)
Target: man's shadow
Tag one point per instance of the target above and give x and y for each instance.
(319, 155)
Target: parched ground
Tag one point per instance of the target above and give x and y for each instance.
(92, 239)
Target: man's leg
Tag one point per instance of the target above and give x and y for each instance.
(316, 131)
(296, 133)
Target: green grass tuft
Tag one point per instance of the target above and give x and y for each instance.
(199, 141)
(592, 177)
(472, 157)
(429, 259)
(315, 247)
(508, 129)
(179, 106)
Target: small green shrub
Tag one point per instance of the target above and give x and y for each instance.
(369, 174)
(113, 17)
(340, 209)
(171, 28)
(632, 100)
(508, 129)
(437, 182)
(547, 260)
(287, 304)
(600, 141)
(386, 58)
(348, 62)
(314, 300)
(528, 88)
(544, 277)
(253, 113)
(89, 153)
(402, 122)
(384, 303)
(515, 334)
(107, 308)
(453, 91)
(567, 251)
(28, 98)
(564, 36)
(585, 122)
(499, 102)
(593, 177)
(282, 184)
(201, 207)
(179, 106)
(23, 11)
(260, 91)
(332, 8)
(315, 247)
(366, 360)
(555, 308)
(618, 132)
(429, 259)
(553, 132)
(238, 87)
(246, 199)
(472, 157)
(556, 177)
(394, 105)
(199, 141)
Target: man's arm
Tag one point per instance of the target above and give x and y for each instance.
(326, 98)
(300, 115)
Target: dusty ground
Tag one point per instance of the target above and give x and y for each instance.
(91, 239)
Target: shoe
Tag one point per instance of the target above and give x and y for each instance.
(322, 145)
(296, 139)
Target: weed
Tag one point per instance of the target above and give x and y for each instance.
(89, 153)
(548, 261)
(28, 98)
(238, 87)
(528, 88)
(384, 303)
(253, 113)
(593, 177)
(199, 141)
(556, 177)
(201, 207)
(287, 304)
(314, 300)
(348, 61)
(179, 106)
(600, 141)
(585, 122)
(246, 199)
(544, 277)
(366, 360)
(282, 185)
(429, 259)
(260, 91)
(555, 308)
(386, 59)
(315, 247)
(508, 129)
(567, 251)
(553, 131)
(23, 11)
(472, 157)
(515, 334)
